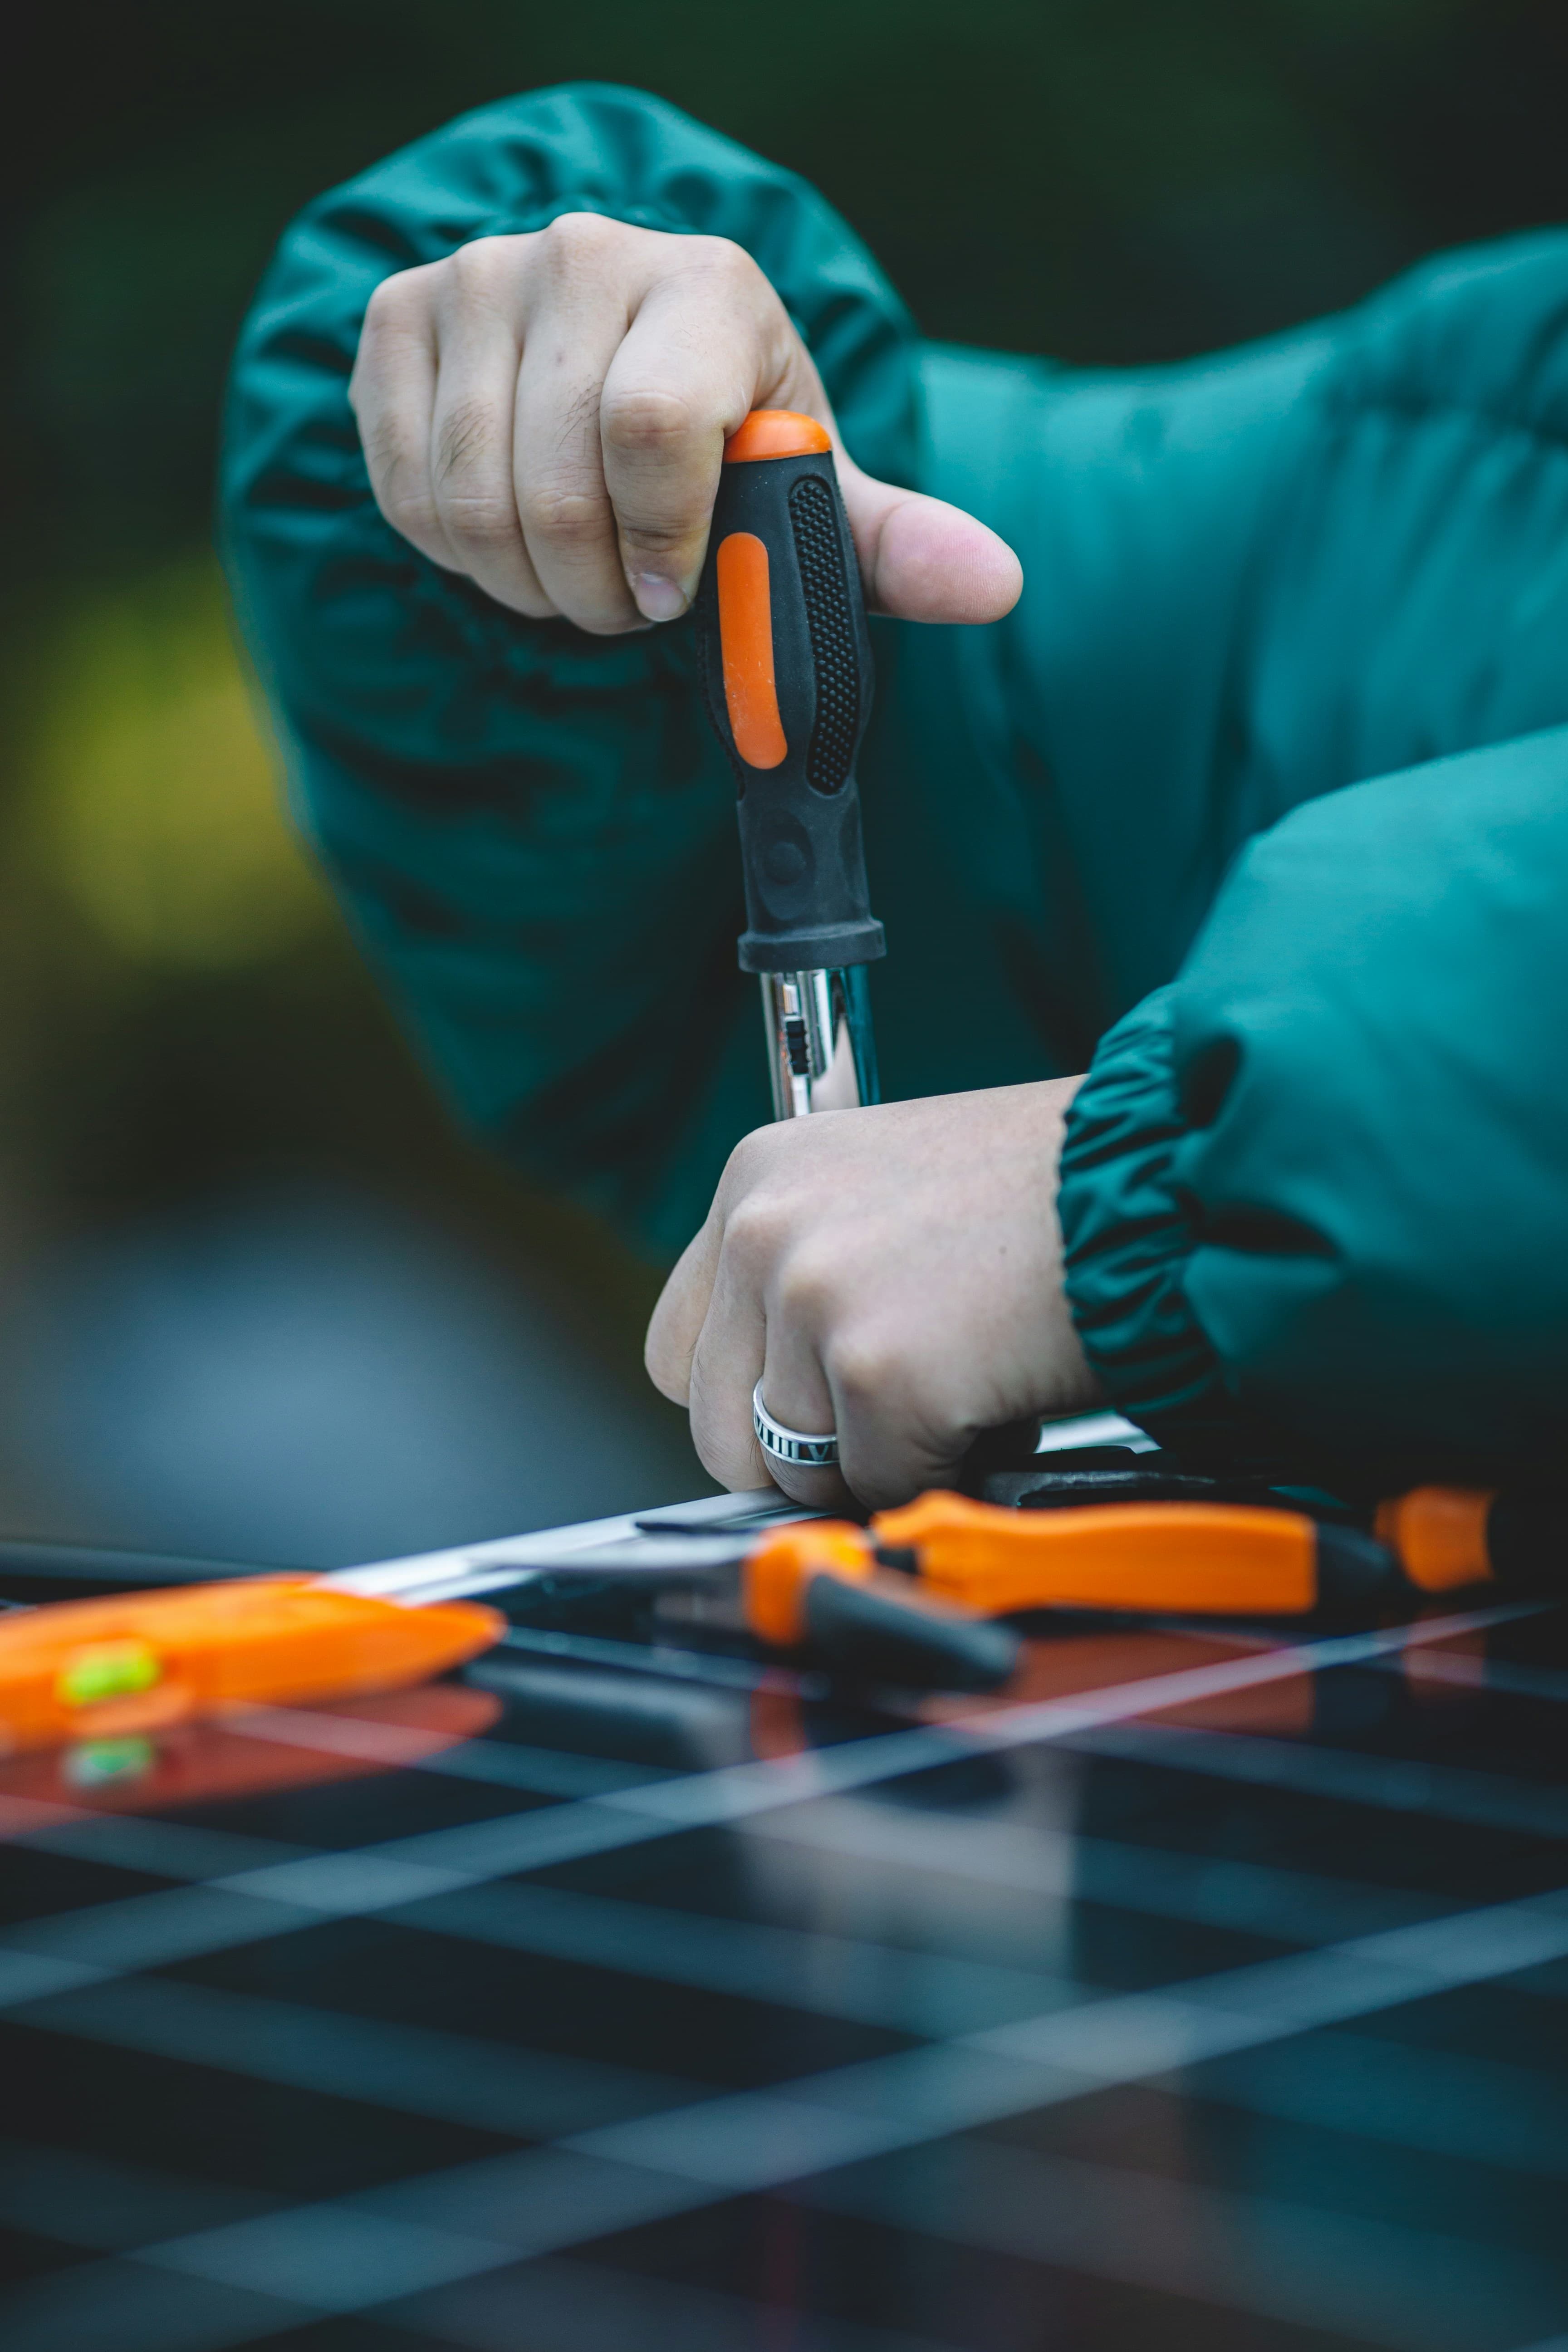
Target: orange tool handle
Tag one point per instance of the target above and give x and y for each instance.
(819, 1585)
(105, 1669)
(1226, 1559)
(1441, 1535)
(786, 663)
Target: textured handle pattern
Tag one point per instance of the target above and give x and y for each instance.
(787, 662)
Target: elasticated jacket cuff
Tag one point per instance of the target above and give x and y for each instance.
(1129, 1232)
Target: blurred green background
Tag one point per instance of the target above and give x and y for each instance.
(255, 1297)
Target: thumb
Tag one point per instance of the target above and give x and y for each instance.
(922, 559)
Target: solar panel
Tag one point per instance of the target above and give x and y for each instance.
(1205, 1988)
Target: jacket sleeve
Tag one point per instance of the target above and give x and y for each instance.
(532, 831)
(1313, 1193)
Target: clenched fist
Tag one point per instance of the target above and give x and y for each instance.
(893, 1274)
(546, 413)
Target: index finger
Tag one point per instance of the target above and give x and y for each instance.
(704, 348)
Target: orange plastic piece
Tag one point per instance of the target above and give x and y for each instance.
(746, 640)
(1226, 1558)
(774, 1578)
(87, 1669)
(776, 433)
(1439, 1534)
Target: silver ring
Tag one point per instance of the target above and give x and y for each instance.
(791, 1444)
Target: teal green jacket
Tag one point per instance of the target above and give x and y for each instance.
(1257, 806)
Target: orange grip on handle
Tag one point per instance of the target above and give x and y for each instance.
(746, 649)
(776, 433)
(1230, 1560)
(1440, 1534)
(776, 1575)
(105, 1669)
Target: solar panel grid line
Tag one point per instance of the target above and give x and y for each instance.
(1009, 2099)
(1478, 2110)
(1276, 2258)
(98, 2203)
(1121, 2038)
(1163, 1883)
(956, 2079)
(1440, 1791)
(1496, 1674)
(930, 1994)
(256, 1902)
(102, 2206)
(1275, 1898)
(914, 1993)
(522, 2093)
(595, 2183)
(147, 2311)
(157, 1849)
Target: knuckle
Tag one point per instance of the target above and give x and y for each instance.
(652, 539)
(577, 241)
(564, 517)
(473, 268)
(757, 1231)
(722, 258)
(749, 1160)
(864, 1367)
(392, 301)
(480, 522)
(808, 1283)
(406, 510)
(643, 421)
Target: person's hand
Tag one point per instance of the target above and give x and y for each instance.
(893, 1274)
(546, 415)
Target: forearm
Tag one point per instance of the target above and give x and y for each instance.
(1313, 1195)
(531, 828)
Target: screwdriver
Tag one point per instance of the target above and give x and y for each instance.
(786, 662)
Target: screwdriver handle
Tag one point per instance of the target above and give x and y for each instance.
(786, 661)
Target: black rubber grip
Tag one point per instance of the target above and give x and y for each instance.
(1357, 1576)
(806, 902)
(1526, 1540)
(872, 1636)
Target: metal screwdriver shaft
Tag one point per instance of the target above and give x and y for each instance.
(788, 669)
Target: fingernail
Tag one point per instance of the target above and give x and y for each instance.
(658, 599)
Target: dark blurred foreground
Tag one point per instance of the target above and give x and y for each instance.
(257, 1298)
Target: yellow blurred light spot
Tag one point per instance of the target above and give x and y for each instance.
(158, 794)
(108, 1670)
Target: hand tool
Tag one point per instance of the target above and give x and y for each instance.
(1450, 1537)
(106, 1669)
(1177, 1559)
(786, 661)
(902, 1601)
(112, 1668)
